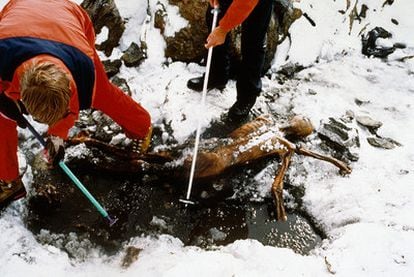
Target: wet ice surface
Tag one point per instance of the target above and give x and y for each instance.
(71, 223)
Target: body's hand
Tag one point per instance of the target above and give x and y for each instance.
(216, 37)
(55, 150)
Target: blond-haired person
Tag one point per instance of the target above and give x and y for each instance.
(49, 62)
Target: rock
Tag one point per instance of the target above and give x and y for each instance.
(290, 69)
(187, 45)
(369, 123)
(343, 139)
(112, 67)
(131, 255)
(348, 117)
(159, 17)
(361, 102)
(388, 2)
(364, 9)
(394, 21)
(385, 143)
(105, 13)
(122, 84)
(135, 54)
(369, 46)
(400, 45)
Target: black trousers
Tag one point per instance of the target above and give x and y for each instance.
(253, 47)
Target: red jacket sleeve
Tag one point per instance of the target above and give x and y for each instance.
(238, 11)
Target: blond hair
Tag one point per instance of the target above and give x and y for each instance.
(45, 92)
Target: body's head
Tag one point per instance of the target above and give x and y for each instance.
(299, 126)
(45, 90)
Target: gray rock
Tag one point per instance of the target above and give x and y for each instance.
(105, 13)
(135, 54)
(385, 143)
(342, 138)
(122, 84)
(187, 45)
(369, 123)
(112, 67)
(360, 102)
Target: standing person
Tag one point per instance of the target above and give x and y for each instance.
(254, 16)
(49, 62)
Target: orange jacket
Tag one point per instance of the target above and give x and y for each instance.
(66, 23)
(71, 25)
(238, 11)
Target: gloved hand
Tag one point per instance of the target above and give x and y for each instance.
(55, 150)
(141, 146)
(12, 109)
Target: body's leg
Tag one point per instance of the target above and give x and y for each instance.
(277, 186)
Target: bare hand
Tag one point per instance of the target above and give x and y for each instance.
(216, 37)
(214, 3)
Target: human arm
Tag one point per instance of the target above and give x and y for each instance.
(238, 11)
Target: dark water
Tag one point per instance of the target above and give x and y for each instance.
(146, 207)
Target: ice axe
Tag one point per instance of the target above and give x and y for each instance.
(187, 200)
(83, 189)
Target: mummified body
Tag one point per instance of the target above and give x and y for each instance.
(255, 140)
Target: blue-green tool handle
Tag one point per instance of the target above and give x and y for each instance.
(72, 176)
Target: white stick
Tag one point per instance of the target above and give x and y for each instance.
(203, 100)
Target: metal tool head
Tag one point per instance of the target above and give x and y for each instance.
(111, 220)
(187, 202)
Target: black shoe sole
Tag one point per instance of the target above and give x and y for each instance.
(219, 87)
(15, 196)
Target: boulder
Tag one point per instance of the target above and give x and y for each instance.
(187, 45)
(105, 13)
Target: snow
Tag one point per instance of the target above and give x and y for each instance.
(366, 215)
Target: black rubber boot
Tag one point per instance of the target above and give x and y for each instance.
(198, 82)
(240, 110)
